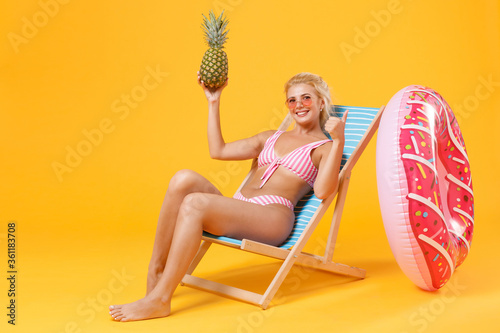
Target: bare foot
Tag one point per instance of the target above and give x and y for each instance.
(145, 308)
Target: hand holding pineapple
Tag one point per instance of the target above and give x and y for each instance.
(211, 94)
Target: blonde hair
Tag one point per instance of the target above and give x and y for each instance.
(321, 88)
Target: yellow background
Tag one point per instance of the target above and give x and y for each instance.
(78, 231)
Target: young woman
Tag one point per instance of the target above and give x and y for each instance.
(289, 164)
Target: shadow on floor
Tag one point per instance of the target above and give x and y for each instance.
(301, 282)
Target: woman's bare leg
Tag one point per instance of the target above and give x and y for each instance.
(218, 215)
(182, 183)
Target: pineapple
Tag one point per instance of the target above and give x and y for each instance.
(213, 69)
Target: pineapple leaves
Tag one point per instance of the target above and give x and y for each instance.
(214, 28)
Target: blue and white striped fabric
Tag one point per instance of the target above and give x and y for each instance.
(358, 121)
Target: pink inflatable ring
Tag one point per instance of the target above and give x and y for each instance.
(424, 186)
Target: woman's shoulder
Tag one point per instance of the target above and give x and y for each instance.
(322, 151)
(265, 135)
(323, 146)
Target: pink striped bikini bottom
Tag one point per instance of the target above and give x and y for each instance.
(265, 200)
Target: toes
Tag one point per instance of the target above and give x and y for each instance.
(116, 313)
(115, 310)
(119, 317)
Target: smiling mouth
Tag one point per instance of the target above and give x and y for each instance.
(301, 113)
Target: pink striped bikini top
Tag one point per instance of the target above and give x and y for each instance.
(298, 161)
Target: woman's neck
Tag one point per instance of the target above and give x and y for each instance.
(313, 130)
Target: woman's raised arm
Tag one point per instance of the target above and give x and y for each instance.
(329, 167)
(238, 150)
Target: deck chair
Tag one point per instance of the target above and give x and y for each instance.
(361, 125)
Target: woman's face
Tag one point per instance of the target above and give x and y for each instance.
(304, 103)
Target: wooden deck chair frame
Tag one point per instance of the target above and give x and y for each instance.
(294, 255)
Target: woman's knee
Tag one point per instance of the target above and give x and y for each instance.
(188, 181)
(183, 181)
(194, 204)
